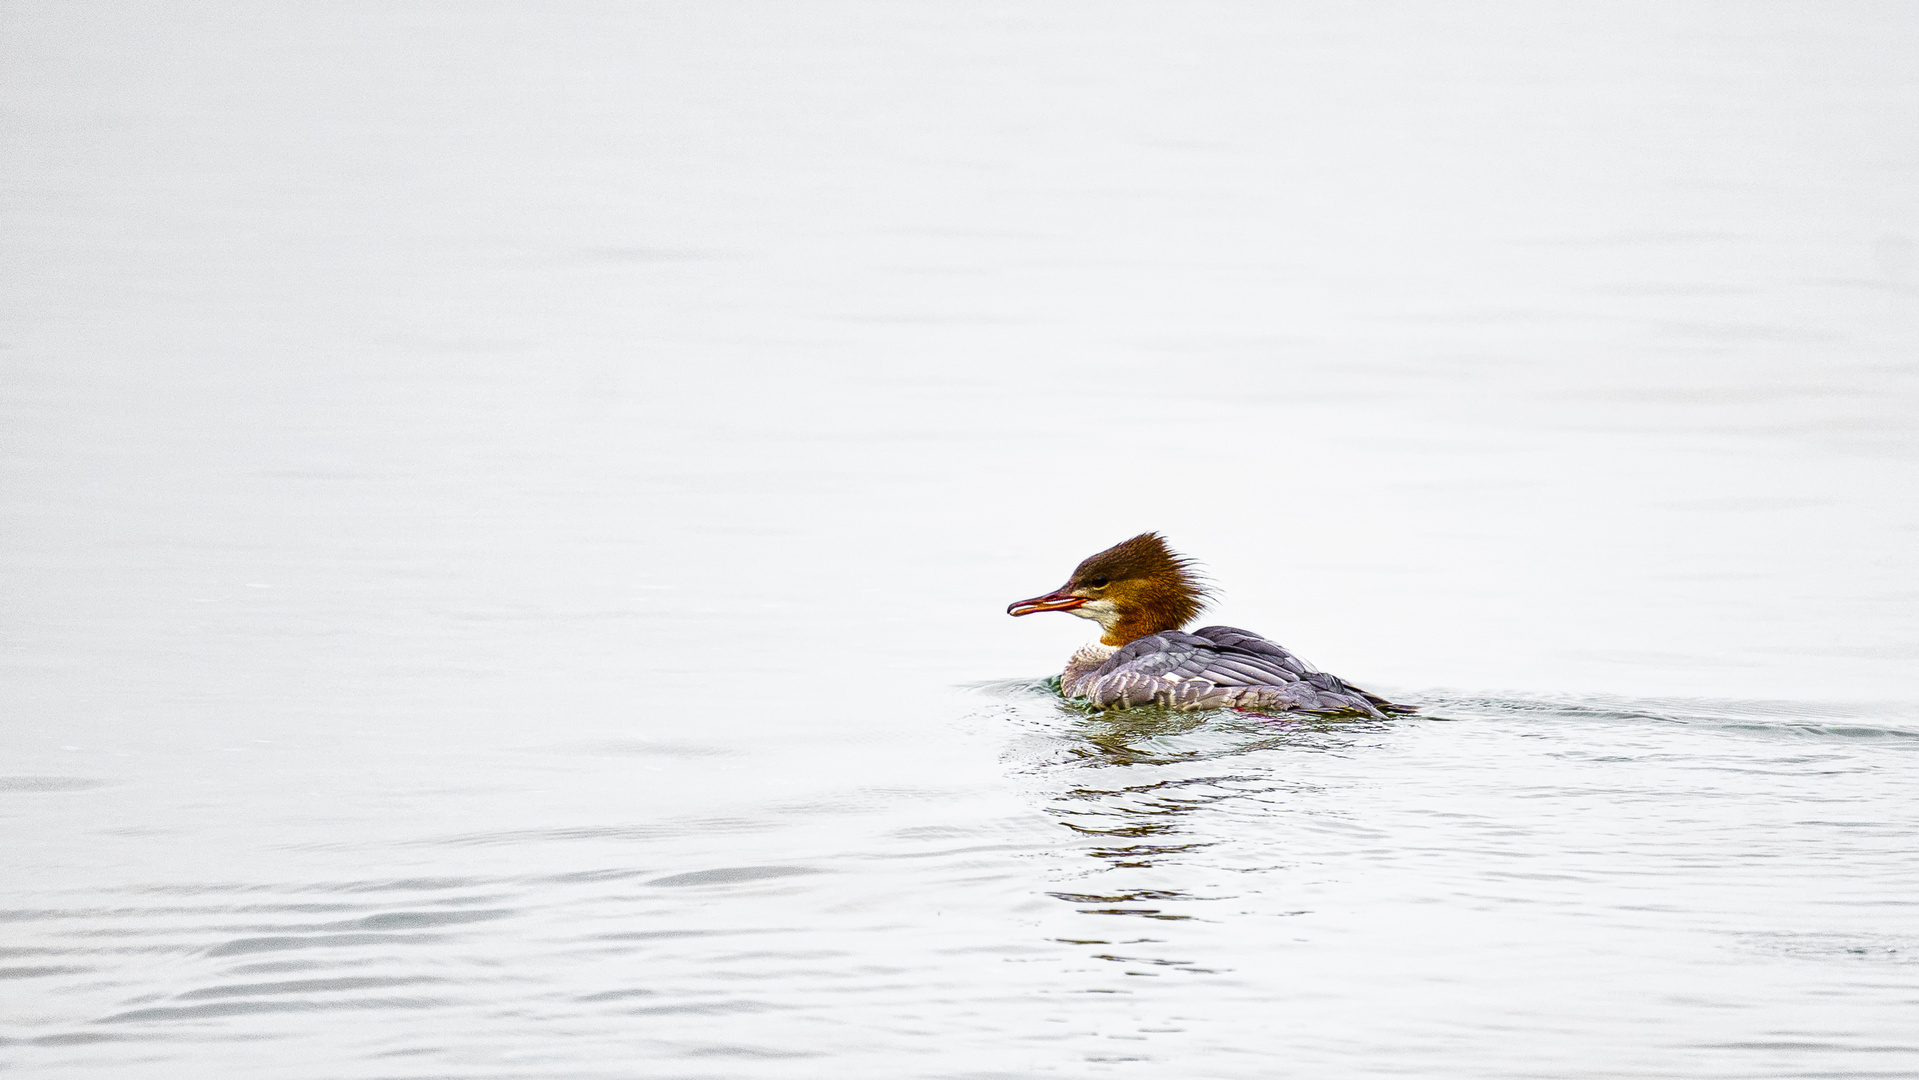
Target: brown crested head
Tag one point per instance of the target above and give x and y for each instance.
(1134, 588)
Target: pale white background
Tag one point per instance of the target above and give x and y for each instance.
(472, 445)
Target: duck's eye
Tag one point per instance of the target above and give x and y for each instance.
(1097, 583)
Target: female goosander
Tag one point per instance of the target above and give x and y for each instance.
(1141, 593)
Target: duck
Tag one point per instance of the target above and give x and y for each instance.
(1142, 593)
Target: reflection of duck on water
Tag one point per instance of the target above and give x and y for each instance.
(1141, 593)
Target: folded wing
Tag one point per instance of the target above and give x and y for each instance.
(1220, 667)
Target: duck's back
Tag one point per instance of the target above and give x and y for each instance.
(1215, 667)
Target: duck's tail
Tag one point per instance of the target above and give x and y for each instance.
(1390, 708)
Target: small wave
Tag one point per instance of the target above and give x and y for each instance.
(732, 875)
(697, 827)
(280, 943)
(242, 1008)
(1015, 688)
(305, 986)
(1884, 949)
(1842, 720)
(20, 785)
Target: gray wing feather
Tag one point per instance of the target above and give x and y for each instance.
(1221, 667)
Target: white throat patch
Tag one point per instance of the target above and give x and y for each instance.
(1100, 611)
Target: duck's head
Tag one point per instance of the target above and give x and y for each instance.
(1132, 589)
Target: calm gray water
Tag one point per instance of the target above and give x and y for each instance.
(508, 512)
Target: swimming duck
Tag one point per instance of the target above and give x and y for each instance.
(1141, 592)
